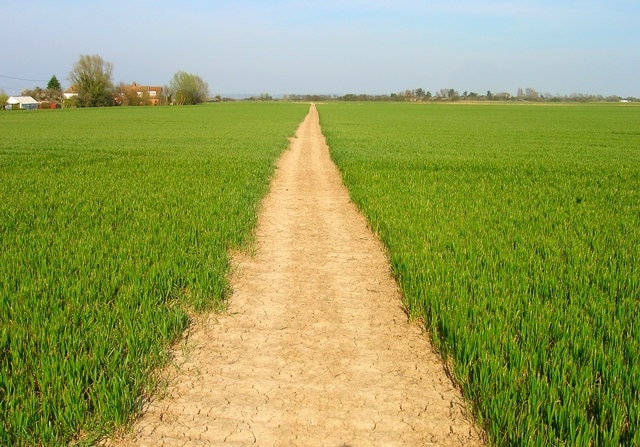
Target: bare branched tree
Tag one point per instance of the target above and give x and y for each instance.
(91, 78)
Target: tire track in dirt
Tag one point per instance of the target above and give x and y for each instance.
(315, 348)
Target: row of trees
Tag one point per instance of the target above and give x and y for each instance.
(442, 95)
(92, 85)
(526, 94)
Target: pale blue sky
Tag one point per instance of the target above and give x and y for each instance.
(330, 46)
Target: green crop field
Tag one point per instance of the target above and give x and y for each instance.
(514, 232)
(114, 224)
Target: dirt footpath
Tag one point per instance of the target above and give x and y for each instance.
(315, 349)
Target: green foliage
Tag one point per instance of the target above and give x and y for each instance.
(114, 223)
(187, 88)
(514, 232)
(54, 84)
(91, 79)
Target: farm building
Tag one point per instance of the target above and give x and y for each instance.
(23, 102)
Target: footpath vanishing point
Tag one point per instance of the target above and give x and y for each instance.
(315, 348)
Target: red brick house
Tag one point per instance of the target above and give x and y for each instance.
(138, 94)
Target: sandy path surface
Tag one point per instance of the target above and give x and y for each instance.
(315, 348)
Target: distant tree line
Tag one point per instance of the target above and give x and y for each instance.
(452, 95)
(92, 86)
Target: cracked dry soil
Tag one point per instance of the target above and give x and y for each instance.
(315, 348)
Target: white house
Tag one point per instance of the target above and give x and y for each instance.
(23, 102)
(69, 93)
